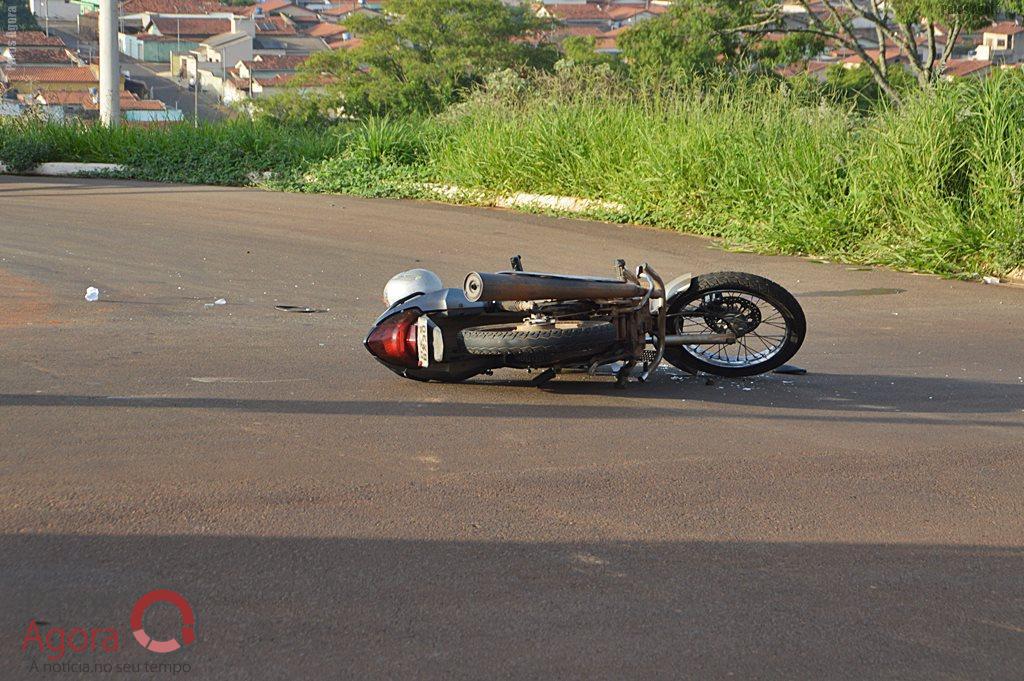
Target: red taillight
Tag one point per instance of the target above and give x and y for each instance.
(394, 340)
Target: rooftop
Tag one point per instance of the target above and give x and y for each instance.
(1005, 28)
(39, 55)
(29, 39)
(180, 7)
(266, 62)
(51, 74)
(171, 26)
(958, 68)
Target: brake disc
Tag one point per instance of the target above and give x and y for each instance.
(731, 313)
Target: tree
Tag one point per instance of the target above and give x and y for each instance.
(428, 52)
(693, 37)
(914, 26)
(702, 36)
(580, 50)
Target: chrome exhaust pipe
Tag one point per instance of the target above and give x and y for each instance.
(502, 286)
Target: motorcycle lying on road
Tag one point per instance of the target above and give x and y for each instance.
(727, 323)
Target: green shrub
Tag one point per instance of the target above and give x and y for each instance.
(24, 151)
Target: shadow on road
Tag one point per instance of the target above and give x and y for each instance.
(367, 608)
(854, 398)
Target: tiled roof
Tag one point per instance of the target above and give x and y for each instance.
(324, 30)
(345, 44)
(29, 39)
(277, 25)
(270, 5)
(623, 12)
(51, 74)
(179, 7)
(578, 12)
(288, 62)
(129, 102)
(890, 57)
(41, 55)
(345, 8)
(1005, 28)
(282, 79)
(800, 67)
(170, 26)
(957, 68)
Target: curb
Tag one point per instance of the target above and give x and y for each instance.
(565, 204)
(57, 169)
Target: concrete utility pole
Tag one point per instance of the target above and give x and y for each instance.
(110, 65)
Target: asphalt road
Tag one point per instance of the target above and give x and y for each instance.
(327, 519)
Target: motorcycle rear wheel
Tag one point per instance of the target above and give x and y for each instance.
(768, 321)
(523, 341)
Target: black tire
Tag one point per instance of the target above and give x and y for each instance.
(506, 339)
(765, 289)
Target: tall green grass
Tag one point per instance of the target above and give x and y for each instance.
(228, 153)
(934, 186)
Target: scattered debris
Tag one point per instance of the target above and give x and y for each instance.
(790, 369)
(92, 294)
(301, 309)
(991, 280)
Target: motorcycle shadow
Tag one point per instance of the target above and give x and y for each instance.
(861, 393)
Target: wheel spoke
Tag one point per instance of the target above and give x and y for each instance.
(725, 310)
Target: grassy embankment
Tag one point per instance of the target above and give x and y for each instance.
(936, 186)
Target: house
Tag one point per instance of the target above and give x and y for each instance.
(22, 39)
(194, 7)
(329, 32)
(38, 56)
(226, 48)
(75, 102)
(269, 65)
(294, 13)
(162, 35)
(265, 86)
(188, 28)
(1002, 42)
(32, 78)
(628, 15)
(276, 26)
(854, 60)
(341, 11)
(577, 14)
(814, 68)
(966, 68)
(154, 48)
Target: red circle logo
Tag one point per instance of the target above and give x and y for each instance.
(188, 621)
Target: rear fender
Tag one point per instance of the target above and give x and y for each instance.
(680, 284)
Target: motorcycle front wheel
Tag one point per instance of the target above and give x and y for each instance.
(767, 320)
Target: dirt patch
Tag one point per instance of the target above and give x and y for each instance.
(23, 302)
